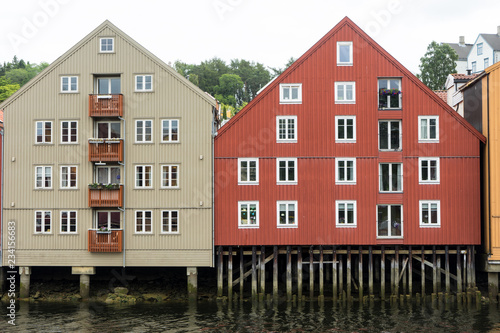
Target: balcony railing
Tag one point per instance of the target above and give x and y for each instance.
(110, 150)
(106, 105)
(109, 241)
(106, 197)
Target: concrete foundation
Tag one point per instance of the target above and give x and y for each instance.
(84, 273)
(192, 283)
(493, 286)
(24, 286)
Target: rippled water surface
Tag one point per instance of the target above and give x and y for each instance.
(245, 317)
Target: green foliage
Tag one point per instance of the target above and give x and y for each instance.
(437, 63)
(7, 88)
(15, 74)
(279, 71)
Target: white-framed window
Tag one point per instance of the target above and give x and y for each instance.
(345, 92)
(170, 130)
(248, 214)
(107, 220)
(170, 221)
(248, 171)
(143, 176)
(68, 222)
(345, 214)
(43, 222)
(474, 67)
(430, 213)
(345, 129)
(344, 54)
(389, 221)
(143, 222)
(107, 45)
(286, 129)
(389, 134)
(287, 214)
(479, 48)
(144, 131)
(170, 176)
(391, 177)
(108, 175)
(69, 177)
(291, 93)
(389, 93)
(69, 131)
(43, 132)
(428, 170)
(286, 171)
(69, 84)
(43, 177)
(486, 62)
(345, 171)
(144, 83)
(428, 129)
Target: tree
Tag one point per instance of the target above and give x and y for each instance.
(437, 63)
(230, 90)
(7, 88)
(279, 71)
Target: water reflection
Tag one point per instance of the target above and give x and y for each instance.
(250, 317)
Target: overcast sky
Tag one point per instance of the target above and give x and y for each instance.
(265, 31)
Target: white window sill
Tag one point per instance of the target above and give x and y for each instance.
(290, 102)
(345, 226)
(248, 183)
(430, 226)
(248, 226)
(428, 141)
(429, 182)
(286, 141)
(345, 102)
(284, 226)
(345, 141)
(390, 237)
(344, 64)
(339, 182)
(286, 183)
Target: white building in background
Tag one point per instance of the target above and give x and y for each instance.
(485, 52)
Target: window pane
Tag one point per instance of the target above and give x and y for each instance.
(341, 129)
(383, 220)
(244, 171)
(384, 177)
(425, 213)
(291, 214)
(295, 93)
(350, 129)
(425, 170)
(282, 214)
(394, 135)
(434, 214)
(396, 220)
(115, 86)
(340, 92)
(253, 214)
(173, 169)
(291, 129)
(432, 129)
(384, 139)
(286, 93)
(282, 170)
(139, 84)
(253, 171)
(350, 213)
(174, 222)
(148, 83)
(341, 213)
(115, 220)
(341, 170)
(291, 171)
(344, 53)
(350, 170)
(244, 214)
(349, 92)
(423, 129)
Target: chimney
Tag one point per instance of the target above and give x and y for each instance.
(461, 40)
(469, 71)
(498, 30)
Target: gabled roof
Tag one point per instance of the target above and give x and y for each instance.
(347, 21)
(461, 49)
(107, 24)
(493, 40)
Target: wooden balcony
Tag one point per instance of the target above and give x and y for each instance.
(106, 105)
(110, 241)
(106, 197)
(106, 150)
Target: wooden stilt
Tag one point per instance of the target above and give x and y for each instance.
(254, 272)
(289, 273)
(360, 273)
(321, 276)
(376, 263)
(349, 273)
(275, 271)
(469, 267)
(334, 276)
(393, 274)
(447, 269)
(370, 271)
(396, 272)
(311, 273)
(410, 272)
(262, 272)
(473, 268)
(230, 274)
(422, 271)
(434, 271)
(242, 272)
(299, 273)
(220, 272)
(341, 275)
(382, 274)
(438, 272)
(459, 271)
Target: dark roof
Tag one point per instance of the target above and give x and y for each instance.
(462, 50)
(443, 94)
(493, 40)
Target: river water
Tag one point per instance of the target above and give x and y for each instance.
(245, 317)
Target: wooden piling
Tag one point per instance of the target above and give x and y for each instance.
(382, 274)
(370, 270)
(393, 274)
(321, 276)
(459, 272)
(230, 274)
(447, 270)
(334, 276)
(311, 272)
(242, 272)
(438, 269)
(262, 272)
(299, 273)
(220, 272)
(349, 277)
(360, 273)
(469, 268)
(396, 272)
(275, 271)
(289, 273)
(473, 255)
(254, 272)
(422, 271)
(434, 271)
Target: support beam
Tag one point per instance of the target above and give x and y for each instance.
(422, 271)
(341, 275)
(382, 274)
(447, 269)
(275, 271)
(493, 286)
(349, 273)
(396, 272)
(192, 281)
(321, 276)
(299, 273)
(360, 273)
(459, 271)
(410, 272)
(24, 288)
(220, 273)
(254, 272)
(229, 274)
(289, 273)
(434, 271)
(242, 272)
(84, 273)
(311, 273)
(334, 277)
(370, 271)
(262, 271)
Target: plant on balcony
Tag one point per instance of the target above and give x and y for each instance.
(389, 92)
(101, 186)
(103, 140)
(103, 230)
(96, 140)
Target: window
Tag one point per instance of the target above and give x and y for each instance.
(345, 129)
(430, 213)
(291, 93)
(474, 67)
(389, 93)
(389, 134)
(479, 48)
(108, 85)
(68, 222)
(170, 222)
(43, 132)
(391, 177)
(287, 171)
(170, 130)
(286, 129)
(428, 170)
(107, 45)
(108, 220)
(248, 171)
(143, 176)
(389, 221)
(143, 222)
(68, 177)
(108, 130)
(69, 84)
(486, 62)
(344, 53)
(345, 171)
(287, 214)
(170, 176)
(69, 131)
(345, 92)
(43, 222)
(144, 83)
(143, 131)
(248, 214)
(43, 175)
(345, 214)
(428, 130)
(108, 175)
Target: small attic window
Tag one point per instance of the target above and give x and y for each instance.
(107, 45)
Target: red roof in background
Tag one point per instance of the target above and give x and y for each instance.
(443, 94)
(458, 76)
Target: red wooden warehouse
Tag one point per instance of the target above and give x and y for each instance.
(346, 148)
